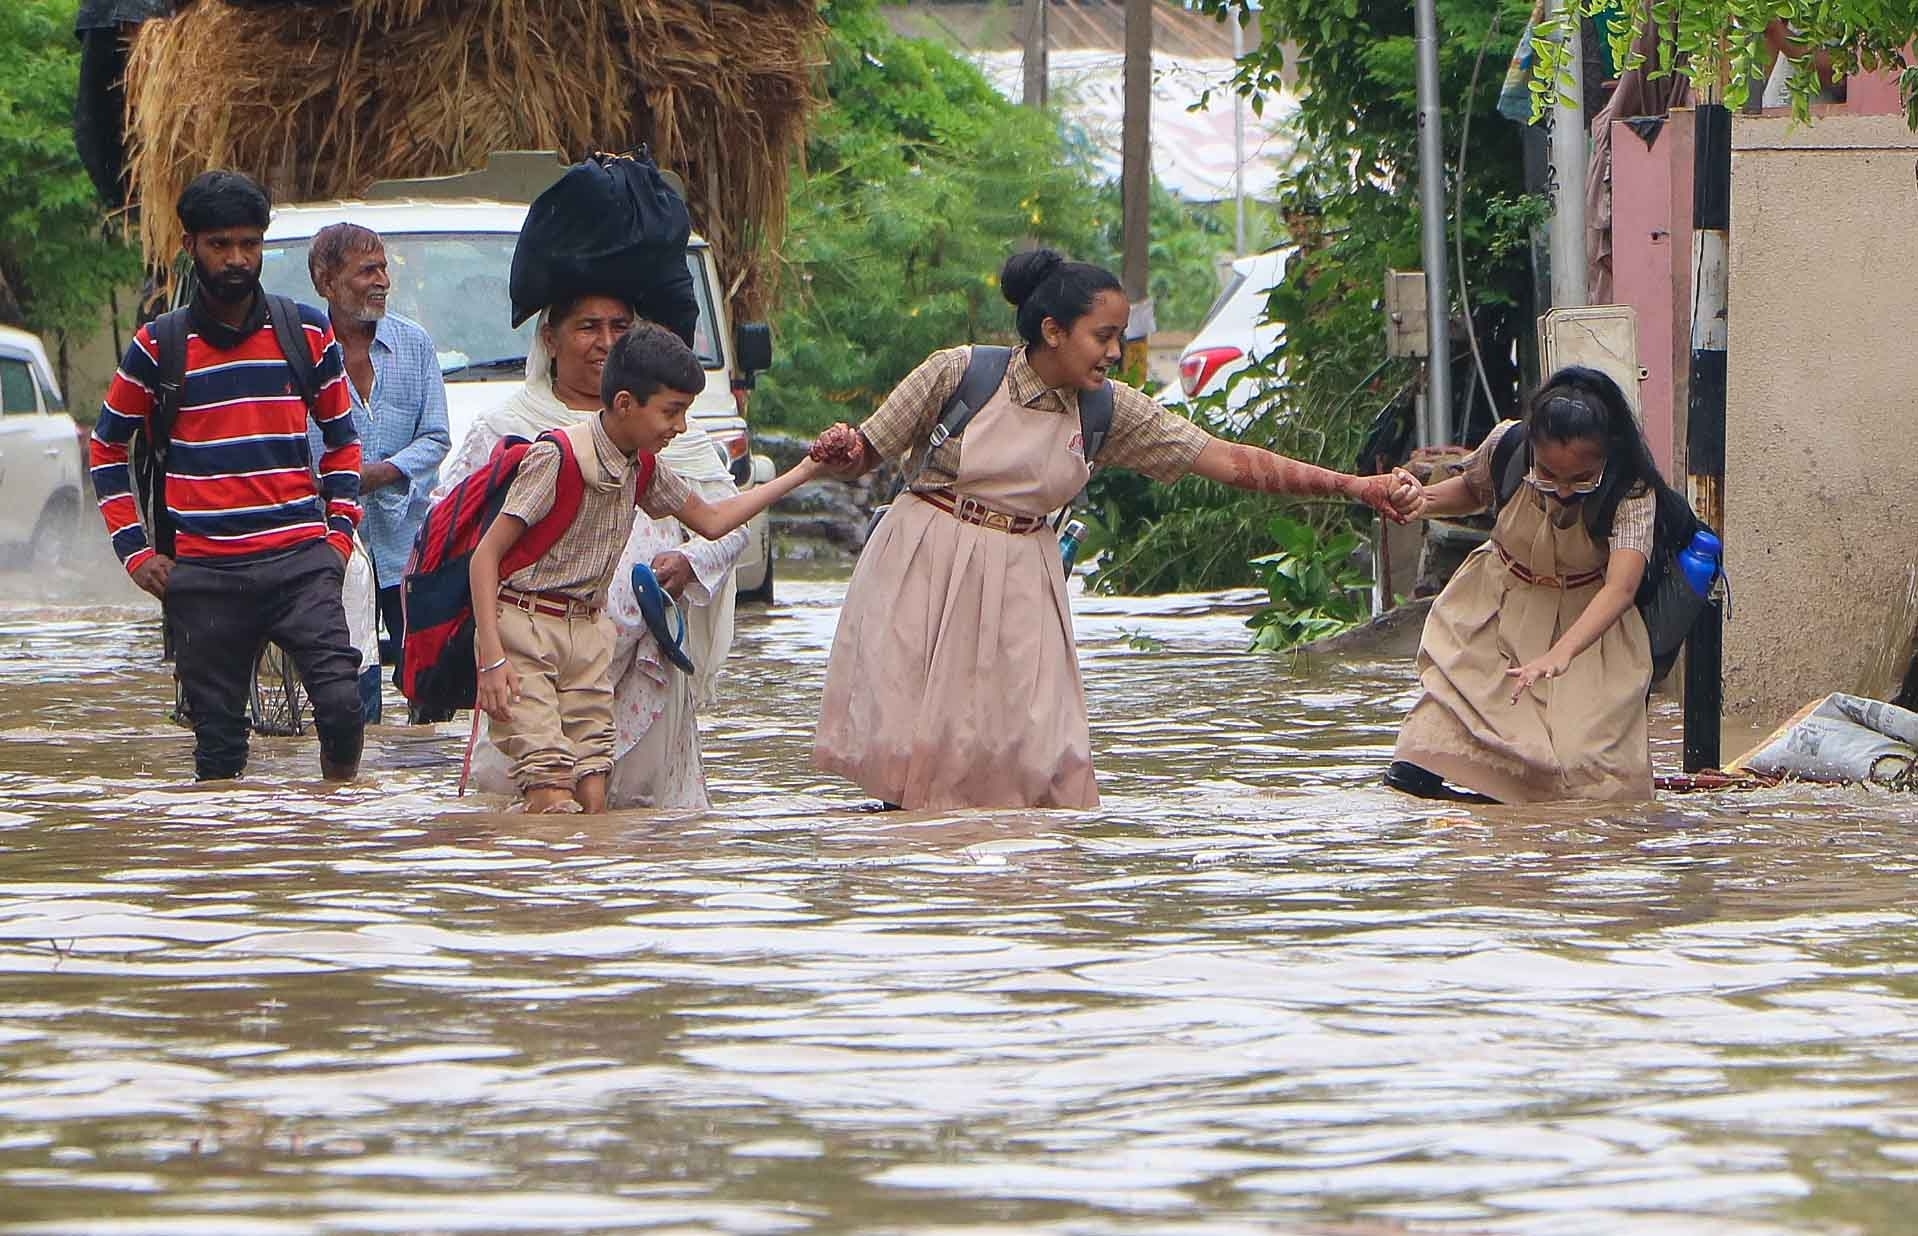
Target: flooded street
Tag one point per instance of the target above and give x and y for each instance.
(1253, 993)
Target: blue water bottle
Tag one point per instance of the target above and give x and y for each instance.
(1702, 561)
(1069, 543)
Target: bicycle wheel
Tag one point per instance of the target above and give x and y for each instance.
(279, 699)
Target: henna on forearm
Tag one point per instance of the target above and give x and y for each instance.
(1394, 496)
(1265, 472)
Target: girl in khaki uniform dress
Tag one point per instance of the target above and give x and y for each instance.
(953, 680)
(1535, 663)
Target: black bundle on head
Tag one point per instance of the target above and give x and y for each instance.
(1578, 404)
(222, 199)
(1041, 284)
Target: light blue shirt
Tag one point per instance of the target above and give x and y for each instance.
(404, 423)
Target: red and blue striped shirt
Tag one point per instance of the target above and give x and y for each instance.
(240, 479)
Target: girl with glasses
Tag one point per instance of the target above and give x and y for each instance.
(1535, 662)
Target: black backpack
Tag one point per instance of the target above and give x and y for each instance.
(148, 458)
(1665, 599)
(986, 367)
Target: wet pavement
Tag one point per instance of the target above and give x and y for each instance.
(1253, 993)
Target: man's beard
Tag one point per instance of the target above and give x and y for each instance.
(364, 310)
(228, 287)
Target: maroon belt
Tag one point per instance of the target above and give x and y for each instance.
(972, 511)
(1566, 583)
(552, 604)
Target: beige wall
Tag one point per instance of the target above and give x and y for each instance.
(1821, 482)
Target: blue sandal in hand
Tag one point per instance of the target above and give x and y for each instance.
(653, 604)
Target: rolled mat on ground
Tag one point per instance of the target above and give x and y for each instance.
(320, 100)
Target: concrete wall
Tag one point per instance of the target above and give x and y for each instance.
(1821, 484)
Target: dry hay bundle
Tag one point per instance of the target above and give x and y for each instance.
(320, 101)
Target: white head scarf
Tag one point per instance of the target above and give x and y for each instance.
(535, 408)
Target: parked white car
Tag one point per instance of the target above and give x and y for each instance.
(450, 260)
(40, 454)
(1235, 333)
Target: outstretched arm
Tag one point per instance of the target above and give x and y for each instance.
(713, 520)
(1398, 496)
(1451, 496)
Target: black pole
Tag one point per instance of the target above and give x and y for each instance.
(1705, 416)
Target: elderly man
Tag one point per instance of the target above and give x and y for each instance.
(399, 407)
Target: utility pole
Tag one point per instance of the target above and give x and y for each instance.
(1238, 145)
(1569, 157)
(1435, 426)
(1032, 40)
(1135, 180)
(1705, 414)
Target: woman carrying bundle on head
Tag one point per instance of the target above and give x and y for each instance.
(1535, 661)
(953, 680)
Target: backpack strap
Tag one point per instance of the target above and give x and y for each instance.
(568, 489)
(148, 470)
(169, 332)
(1095, 419)
(986, 366)
(648, 468)
(1509, 465)
(289, 329)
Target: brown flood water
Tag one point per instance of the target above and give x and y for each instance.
(1252, 994)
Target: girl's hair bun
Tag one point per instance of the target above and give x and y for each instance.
(1024, 272)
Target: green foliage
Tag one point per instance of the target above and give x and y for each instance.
(1351, 204)
(56, 251)
(1314, 588)
(919, 180)
(1713, 41)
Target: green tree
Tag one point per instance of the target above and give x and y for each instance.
(919, 179)
(1722, 42)
(58, 254)
(1351, 200)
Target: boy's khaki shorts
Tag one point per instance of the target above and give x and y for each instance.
(562, 726)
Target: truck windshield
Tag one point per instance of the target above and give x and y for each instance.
(455, 285)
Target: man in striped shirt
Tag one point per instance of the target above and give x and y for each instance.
(260, 529)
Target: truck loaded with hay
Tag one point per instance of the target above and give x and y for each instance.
(320, 99)
(391, 113)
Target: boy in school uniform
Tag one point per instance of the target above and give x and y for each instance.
(542, 637)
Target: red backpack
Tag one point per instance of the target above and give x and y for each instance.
(438, 675)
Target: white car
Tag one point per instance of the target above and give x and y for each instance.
(1235, 333)
(449, 261)
(40, 454)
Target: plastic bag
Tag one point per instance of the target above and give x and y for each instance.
(360, 596)
(1843, 738)
(610, 226)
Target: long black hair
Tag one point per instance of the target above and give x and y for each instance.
(1041, 284)
(1578, 404)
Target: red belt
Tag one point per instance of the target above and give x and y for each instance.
(1525, 573)
(972, 511)
(552, 604)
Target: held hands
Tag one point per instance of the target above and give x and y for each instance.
(1399, 496)
(840, 451)
(152, 575)
(498, 690)
(1525, 676)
